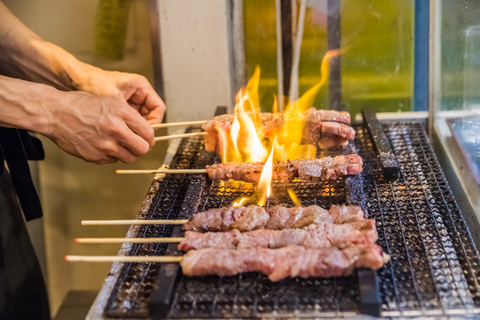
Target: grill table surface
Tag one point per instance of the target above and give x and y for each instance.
(434, 265)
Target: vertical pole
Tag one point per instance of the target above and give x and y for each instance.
(435, 62)
(278, 31)
(287, 43)
(237, 46)
(297, 50)
(421, 52)
(156, 49)
(334, 41)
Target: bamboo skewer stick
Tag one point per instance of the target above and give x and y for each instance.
(178, 136)
(177, 124)
(132, 240)
(123, 258)
(129, 222)
(161, 171)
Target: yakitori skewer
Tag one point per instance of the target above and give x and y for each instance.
(278, 264)
(323, 235)
(305, 169)
(179, 171)
(177, 124)
(129, 222)
(178, 136)
(132, 240)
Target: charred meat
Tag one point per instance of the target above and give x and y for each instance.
(275, 218)
(278, 264)
(325, 128)
(324, 235)
(305, 169)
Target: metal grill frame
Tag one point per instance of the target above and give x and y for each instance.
(455, 222)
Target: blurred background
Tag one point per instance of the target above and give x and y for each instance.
(197, 54)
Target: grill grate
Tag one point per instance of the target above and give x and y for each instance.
(434, 267)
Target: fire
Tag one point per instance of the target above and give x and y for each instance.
(265, 183)
(246, 141)
(294, 198)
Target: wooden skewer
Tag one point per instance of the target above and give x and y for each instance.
(123, 258)
(128, 222)
(178, 136)
(161, 171)
(176, 124)
(132, 240)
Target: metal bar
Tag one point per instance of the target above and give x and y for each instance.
(237, 45)
(421, 51)
(334, 42)
(154, 17)
(381, 145)
(394, 280)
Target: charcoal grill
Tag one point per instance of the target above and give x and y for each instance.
(434, 267)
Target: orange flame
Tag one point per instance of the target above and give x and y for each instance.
(265, 183)
(246, 141)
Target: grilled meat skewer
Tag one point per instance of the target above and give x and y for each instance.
(324, 235)
(274, 218)
(304, 169)
(325, 128)
(278, 264)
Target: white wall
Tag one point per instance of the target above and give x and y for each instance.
(195, 57)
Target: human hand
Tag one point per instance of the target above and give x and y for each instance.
(100, 128)
(132, 88)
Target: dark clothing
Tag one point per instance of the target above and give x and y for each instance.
(16, 147)
(22, 288)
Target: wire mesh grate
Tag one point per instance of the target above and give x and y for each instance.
(434, 267)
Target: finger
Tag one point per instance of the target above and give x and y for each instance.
(105, 160)
(156, 106)
(155, 116)
(125, 155)
(148, 102)
(134, 143)
(138, 125)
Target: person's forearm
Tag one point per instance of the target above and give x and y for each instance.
(27, 105)
(24, 55)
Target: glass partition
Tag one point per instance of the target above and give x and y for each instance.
(376, 51)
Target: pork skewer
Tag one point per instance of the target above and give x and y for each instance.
(278, 264)
(252, 218)
(325, 128)
(304, 169)
(324, 235)
(314, 236)
(274, 218)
